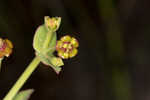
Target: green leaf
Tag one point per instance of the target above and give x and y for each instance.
(40, 37)
(23, 95)
(51, 60)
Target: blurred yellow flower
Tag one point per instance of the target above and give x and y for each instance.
(5, 47)
(67, 47)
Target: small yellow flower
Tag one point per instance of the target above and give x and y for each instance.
(52, 23)
(67, 47)
(5, 47)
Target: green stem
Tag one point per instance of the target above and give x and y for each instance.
(23, 78)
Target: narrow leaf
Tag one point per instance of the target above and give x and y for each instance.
(24, 95)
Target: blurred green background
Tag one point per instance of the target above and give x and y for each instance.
(113, 59)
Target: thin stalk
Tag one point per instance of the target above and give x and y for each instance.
(23, 78)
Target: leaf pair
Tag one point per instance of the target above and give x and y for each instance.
(44, 43)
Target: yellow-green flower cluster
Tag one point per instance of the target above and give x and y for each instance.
(5, 47)
(52, 23)
(67, 47)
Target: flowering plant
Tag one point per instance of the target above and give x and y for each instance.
(45, 44)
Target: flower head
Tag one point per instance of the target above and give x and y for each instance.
(52, 23)
(5, 47)
(67, 47)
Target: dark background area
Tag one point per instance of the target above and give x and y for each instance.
(114, 53)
